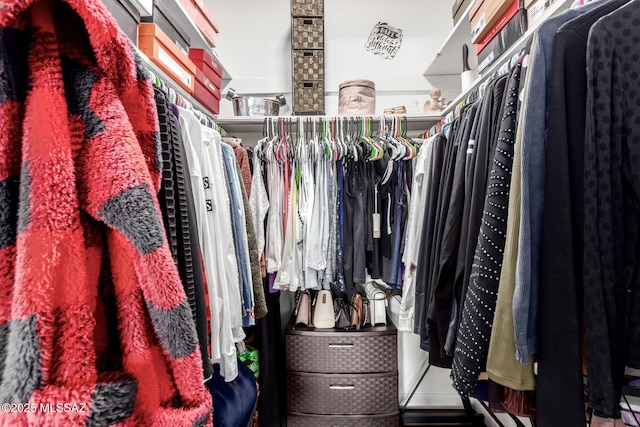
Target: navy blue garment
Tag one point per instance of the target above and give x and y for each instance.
(234, 403)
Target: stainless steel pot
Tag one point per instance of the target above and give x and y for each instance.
(254, 106)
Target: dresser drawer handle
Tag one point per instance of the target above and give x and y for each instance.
(342, 387)
(340, 345)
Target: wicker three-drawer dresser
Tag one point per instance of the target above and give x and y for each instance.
(342, 378)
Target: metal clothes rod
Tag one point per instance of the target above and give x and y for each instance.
(367, 126)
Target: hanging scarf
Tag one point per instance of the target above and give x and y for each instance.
(92, 311)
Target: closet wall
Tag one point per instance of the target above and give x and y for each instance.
(256, 45)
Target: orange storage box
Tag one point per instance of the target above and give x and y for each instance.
(203, 19)
(154, 43)
(207, 92)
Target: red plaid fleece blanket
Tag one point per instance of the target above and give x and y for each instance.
(92, 311)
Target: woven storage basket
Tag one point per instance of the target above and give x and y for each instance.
(307, 7)
(304, 420)
(308, 33)
(342, 353)
(308, 97)
(342, 394)
(308, 65)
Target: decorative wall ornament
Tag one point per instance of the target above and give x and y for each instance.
(384, 40)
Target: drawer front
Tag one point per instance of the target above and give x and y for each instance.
(303, 420)
(308, 64)
(307, 7)
(308, 97)
(346, 394)
(308, 33)
(342, 353)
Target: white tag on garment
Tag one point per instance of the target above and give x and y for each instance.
(376, 225)
(389, 229)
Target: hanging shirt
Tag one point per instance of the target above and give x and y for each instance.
(443, 308)
(395, 278)
(240, 234)
(414, 231)
(275, 225)
(359, 224)
(259, 202)
(223, 349)
(318, 227)
(218, 188)
(471, 156)
(286, 273)
(341, 285)
(306, 201)
(331, 269)
(348, 243)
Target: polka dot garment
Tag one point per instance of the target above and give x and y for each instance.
(612, 206)
(474, 331)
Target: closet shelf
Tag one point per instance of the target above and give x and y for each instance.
(183, 19)
(173, 85)
(448, 60)
(231, 124)
(559, 7)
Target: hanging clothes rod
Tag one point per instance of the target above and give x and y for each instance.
(416, 123)
(326, 124)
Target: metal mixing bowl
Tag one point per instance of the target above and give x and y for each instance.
(254, 106)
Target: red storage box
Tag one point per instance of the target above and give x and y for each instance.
(206, 92)
(502, 22)
(206, 63)
(484, 15)
(157, 46)
(203, 19)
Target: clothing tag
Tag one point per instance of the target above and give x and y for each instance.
(376, 225)
(389, 228)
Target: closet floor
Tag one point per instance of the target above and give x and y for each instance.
(440, 418)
